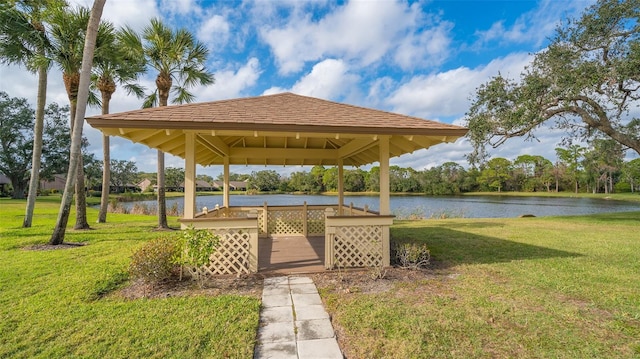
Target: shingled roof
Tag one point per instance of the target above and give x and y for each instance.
(277, 129)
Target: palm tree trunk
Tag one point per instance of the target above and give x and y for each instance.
(163, 83)
(37, 147)
(106, 163)
(57, 236)
(106, 179)
(162, 203)
(81, 197)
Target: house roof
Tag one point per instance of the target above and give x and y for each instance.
(4, 179)
(277, 129)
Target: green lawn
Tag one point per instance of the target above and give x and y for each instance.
(506, 288)
(499, 288)
(627, 196)
(53, 303)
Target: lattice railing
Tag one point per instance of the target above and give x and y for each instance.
(358, 246)
(237, 250)
(356, 241)
(315, 221)
(231, 255)
(285, 221)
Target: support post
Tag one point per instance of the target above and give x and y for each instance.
(225, 189)
(305, 226)
(385, 208)
(253, 243)
(265, 222)
(340, 185)
(329, 234)
(190, 175)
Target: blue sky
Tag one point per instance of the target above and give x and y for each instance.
(420, 58)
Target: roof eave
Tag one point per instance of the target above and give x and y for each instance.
(292, 128)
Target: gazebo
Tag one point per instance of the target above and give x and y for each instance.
(284, 130)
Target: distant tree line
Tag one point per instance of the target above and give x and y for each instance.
(597, 168)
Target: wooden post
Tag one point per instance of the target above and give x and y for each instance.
(340, 185)
(329, 233)
(253, 243)
(305, 229)
(265, 222)
(225, 189)
(190, 175)
(385, 208)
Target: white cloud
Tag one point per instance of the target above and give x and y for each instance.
(361, 33)
(180, 7)
(135, 14)
(447, 94)
(535, 26)
(427, 49)
(329, 79)
(214, 32)
(231, 82)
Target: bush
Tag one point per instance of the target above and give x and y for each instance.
(622, 187)
(196, 247)
(156, 260)
(410, 255)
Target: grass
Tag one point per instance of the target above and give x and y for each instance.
(59, 303)
(502, 288)
(627, 196)
(552, 287)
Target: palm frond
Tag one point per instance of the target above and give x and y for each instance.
(135, 89)
(182, 95)
(151, 100)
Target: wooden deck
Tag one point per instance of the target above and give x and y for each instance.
(290, 254)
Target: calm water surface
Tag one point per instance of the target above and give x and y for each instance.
(428, 206)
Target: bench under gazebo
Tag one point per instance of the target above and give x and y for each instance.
(283, 130)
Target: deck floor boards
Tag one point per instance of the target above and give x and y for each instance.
(291, 254)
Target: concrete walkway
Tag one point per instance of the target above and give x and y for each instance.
(293, 322)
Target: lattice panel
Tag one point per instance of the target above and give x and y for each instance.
(315, 221)
(232, 254)
(358, 246)
(285, 222)
(260, 222)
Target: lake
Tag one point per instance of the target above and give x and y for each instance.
(430, 206)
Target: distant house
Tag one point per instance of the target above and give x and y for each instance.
(233, 185)
(144, 184)
(4, 183)
(202, 186)
(218, 185)
(238, 185)
(56, 184)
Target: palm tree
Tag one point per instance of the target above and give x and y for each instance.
(24, 41)
(57, 237)
(68, 35)
(113, 66)
(176, 56)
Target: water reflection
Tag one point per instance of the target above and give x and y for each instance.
(428, 206)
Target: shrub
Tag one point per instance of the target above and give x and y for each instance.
(156, 260)
(196, 247)
(410, 255)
